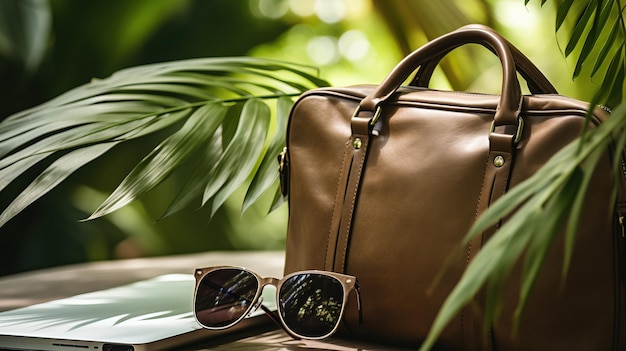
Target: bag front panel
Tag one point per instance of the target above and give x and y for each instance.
(418, 198)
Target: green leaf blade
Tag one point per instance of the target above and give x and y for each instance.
(52, 176)
(551, 219)
(562, 11)
(606, 47)
(267, 174)
(579, 29)
(496, 253)
(241, 154)
(193, 188)
(159, 164)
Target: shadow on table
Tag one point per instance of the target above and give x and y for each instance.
(277, 340)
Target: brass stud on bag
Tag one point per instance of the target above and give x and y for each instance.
(357, 143)
(498, 161)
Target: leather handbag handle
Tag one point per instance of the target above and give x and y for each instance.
(510, 102)
(536, 81)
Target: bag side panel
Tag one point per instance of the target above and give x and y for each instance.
(319, 129)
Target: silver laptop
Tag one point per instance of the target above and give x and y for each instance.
(149, 315)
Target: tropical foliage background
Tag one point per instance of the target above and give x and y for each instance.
(48, 48)
(177, 153)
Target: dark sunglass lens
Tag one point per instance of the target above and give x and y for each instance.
(311, 304)
(224, 296)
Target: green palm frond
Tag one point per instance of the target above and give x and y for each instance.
(597, 33)
(553, 196)
(538, 208)
(193, 102)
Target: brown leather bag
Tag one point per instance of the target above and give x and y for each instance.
(388, 202)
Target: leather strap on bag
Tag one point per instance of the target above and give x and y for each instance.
(360, 146)
(355, 154)
(340, 193)
(495, 184)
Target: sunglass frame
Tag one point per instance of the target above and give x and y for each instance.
(348, 284)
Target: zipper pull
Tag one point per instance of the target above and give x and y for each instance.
(621, 223)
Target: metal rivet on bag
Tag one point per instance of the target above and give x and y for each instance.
(357, 143)
(498, 161)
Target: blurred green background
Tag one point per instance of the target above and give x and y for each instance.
(352, 42)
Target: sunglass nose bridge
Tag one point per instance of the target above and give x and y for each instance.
(269, 281)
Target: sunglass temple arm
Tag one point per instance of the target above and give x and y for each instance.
(358, 301)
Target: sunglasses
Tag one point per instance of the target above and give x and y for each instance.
(310, 304)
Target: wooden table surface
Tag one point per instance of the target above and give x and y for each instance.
(54, 283)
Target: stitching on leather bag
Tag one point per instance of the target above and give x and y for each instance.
(477, 209)
(339, 179)
(356, 188)
(494, 191)
(469, 250)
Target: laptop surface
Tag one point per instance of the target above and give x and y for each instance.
(149, 315)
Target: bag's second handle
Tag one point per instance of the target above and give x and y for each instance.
(510, 99)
